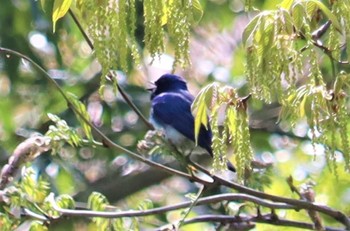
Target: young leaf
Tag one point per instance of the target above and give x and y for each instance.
(37, 226)
(81, 111)
(60, 8)
(200, 106)
(97, 201)
(286, 4)
(65, 201)
(327, 12)
(197, 10)
(250, 30)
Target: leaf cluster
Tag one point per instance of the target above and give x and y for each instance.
(279, 43)
(215, 101)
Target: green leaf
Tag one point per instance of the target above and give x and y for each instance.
(37, 226)
(201, 118)
(42, 3)
(97, 201)
(5, 222)
(135, 224)
(200, 106)
(118, 224)
(310, 7)
(288, 22)
(81, 112)
(61, 131)
(65, 201)
(197, 10)
(328, 13)
(250, 30)
(60, 8)
(286, 4)
(145, 204)
(35, 188)
(302, 107)
(298, 16)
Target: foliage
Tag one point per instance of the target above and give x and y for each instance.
(235, 131)
(284, 114)
(278, 35)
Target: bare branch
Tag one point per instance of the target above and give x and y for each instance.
(308, 195)
(300, 204)
(25, 151)
(266, 218)
(161, 210)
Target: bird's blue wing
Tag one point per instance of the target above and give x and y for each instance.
(174, 109)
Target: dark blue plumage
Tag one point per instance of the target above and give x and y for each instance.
(171, 111)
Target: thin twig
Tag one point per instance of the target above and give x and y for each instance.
(133, 107)
(161, 210)
(266, 218)
(193, 204)
(27, 212)
(86, 37)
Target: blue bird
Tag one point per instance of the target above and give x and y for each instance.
(171, 112)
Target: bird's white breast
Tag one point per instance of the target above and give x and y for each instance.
(182, 143)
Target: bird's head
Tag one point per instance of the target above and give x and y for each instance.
(168, 83)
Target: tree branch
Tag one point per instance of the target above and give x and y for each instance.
(161, 210)
(266, 218)
(300, 204)
(25, 151)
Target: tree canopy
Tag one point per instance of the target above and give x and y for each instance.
(271, 79)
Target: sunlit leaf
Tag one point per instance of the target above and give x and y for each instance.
(35, 188)
(328, 13)
(250, 30)
(298, 13)
(81, 112)
(37, 226)
(199, 107)
(5, 222)
(310, 6)
(145, 204)
(60, 8)
(65, 201)
(302, 107)
(286, 4)
(97, 201)
(197, 10)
